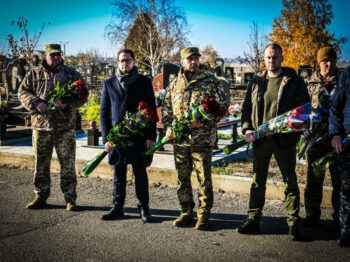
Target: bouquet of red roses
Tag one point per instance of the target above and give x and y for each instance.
(207, 111)
(121, 133)
(71, 93)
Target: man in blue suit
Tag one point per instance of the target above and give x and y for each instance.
(122, 93)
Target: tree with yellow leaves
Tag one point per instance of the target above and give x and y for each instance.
(302, 29)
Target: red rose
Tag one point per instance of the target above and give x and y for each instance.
(143, 105)
(79, 83)
(151, 115)
(212, 107)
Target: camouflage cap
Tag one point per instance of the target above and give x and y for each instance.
(53, 48)
(188, 51)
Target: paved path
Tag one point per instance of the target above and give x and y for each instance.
(54, 234)
(163, 160)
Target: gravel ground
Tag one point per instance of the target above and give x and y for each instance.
(54, 234)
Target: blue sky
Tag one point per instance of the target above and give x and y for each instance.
(224, 24)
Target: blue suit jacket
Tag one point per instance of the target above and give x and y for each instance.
(114, 102)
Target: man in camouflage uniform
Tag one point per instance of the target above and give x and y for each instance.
(270, 93)
(51, 129)
(189, 88)
(323, 79)
(339, 128)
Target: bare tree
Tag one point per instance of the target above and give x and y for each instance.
(26, 44)
(4, 47)
(158, 26)
(209, 54)
(256, 43)
(88, 57)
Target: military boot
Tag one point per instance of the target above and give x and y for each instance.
(249, 226)
(37, 203)
(202, 223)
(344, 241)
(183, 220)
(310, 221)
(294, 233)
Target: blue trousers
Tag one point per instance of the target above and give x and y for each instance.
(141, 185)
(344, 214)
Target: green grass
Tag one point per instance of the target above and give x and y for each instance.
(224, 136)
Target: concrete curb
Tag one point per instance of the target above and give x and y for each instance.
(228, 184)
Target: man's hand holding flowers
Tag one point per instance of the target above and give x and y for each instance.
(41, 107)
(337, 144)
(60, 105)
(249, 136)
(149, 143)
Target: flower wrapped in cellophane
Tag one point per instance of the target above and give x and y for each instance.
(207, 111)
(294, 120)
(120, 135)
(160, 96)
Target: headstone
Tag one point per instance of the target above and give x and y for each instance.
(219, 62)
(15, 73)
(226, 84)
(248, 76)
(229, 73)
(170, 72)
(305, 71)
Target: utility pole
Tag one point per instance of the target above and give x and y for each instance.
(64, 47)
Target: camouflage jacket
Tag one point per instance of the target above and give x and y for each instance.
(183, 95)
(35, 88)
(315, 86)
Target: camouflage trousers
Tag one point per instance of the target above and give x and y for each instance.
(344, 212)
(314, 186)
(286, 160)
(197, 158)
(64, 144)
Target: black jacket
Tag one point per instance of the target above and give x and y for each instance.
(339, 119)
(114, 102)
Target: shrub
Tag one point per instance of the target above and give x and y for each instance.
(91, 109)
(93, 113)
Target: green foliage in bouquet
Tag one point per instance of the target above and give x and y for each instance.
(321, 164)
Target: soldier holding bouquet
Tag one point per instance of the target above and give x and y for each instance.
(189, 88)
(52, 129)
(322, 80)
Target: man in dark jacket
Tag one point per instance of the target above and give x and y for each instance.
(339, 128)
(122, 93)
(271, 93)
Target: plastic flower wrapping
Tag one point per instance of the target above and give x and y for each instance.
(294, 120)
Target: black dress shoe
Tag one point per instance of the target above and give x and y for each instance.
(112, 214)
(145, 215)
